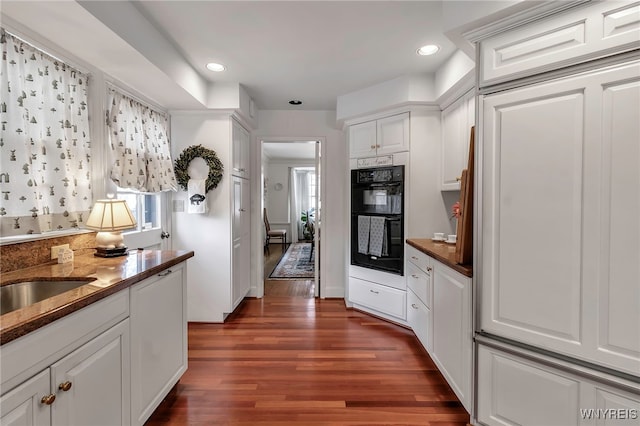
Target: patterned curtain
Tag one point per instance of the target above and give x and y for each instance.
(140, 149)
(45, 173)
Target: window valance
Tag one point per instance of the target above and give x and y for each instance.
(45, 173)
(139, 141)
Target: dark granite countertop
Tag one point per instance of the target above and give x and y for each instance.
(442, 252)
(111, 275)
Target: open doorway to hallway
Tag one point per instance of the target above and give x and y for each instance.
(291, 200)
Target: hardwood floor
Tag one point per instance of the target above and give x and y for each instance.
(304, 361)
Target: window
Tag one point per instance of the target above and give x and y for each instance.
(145, 208)
(312, 190)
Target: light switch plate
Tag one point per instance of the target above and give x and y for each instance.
(55, 249)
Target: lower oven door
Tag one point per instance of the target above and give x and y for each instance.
(365, 242)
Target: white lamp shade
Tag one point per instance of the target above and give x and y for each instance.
(110, 215)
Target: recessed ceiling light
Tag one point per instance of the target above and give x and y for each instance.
(212, 66)
(295, 102)
(429, 49)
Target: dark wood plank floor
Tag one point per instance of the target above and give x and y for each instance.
(304, 361)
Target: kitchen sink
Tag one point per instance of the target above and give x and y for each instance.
(25, 293)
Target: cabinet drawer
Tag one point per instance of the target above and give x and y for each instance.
(384, 299)
(419, 319)
(577, 35)
(419, 259)
(420, 282)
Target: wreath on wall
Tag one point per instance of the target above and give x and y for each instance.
(209, 156)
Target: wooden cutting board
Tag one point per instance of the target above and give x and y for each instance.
(464, 242)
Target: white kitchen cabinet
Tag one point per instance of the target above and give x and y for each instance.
(240, 150)
(92, 384)
(520, 389)
(561, 199)
(452, 335)
(158, 339)
(420, 320)
(240, 273)
(384, 136)
(89, 386)
(419, 269)
(24, 406)
(456, 121)
(378, 298)
(577, 35)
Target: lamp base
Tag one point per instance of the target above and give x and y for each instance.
(113, 252)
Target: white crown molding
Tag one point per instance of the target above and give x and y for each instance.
(520, 18)
(458, 90)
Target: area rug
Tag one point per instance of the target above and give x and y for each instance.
(295, 263)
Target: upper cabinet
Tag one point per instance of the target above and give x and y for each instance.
(580, 34)
(457, 120)
(240, 142)
(379, 137)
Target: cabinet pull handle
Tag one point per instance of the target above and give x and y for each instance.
(414, 258)
(429, 269)
(165, 273)
(242, 210)
(48, 399)
(65, 386)
(373, 147)
(373, 291)
(377, 146)
(458, 179)
(235, 169)
(415, 276)
(413, 305)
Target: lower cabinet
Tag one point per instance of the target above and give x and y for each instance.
(90, 386)
(24, 405)
(379, 299)
(158, 340)
(452, 334)
(110, 363)
(517, 389)
(439, 313)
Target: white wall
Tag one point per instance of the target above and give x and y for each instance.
(310, 125)
(208, 235)
(456, 69)
(278, 202)
(403, 90)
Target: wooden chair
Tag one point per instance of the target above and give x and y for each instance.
(274, 233)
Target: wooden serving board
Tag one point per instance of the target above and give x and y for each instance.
(464, 243)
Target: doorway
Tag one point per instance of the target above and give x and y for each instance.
(291, 200)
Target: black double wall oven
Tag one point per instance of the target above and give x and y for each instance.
(377, 218)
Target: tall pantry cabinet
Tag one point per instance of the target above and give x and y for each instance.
(219, 275)
(559, 206)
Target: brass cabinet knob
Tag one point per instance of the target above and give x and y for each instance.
(429, 269)
(377, 146)
(458, 179)
(65, 386)
(48, 399)
(373, 147)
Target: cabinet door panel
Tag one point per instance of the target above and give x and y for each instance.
(393, 134)
(507, 386)
(454, 146)
(452, 329)
(419, 319)
(23, 407)
(619, 284)
(561, 208)
(362, 139)
(98, 373)
(158, 340)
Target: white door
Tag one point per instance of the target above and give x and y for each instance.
(92, 383)
(24, 405)
(318, 224)
(153, 219)
(561, 228)
(392, 134)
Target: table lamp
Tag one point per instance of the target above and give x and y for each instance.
(110, 217)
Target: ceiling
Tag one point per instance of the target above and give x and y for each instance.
(313, 51)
